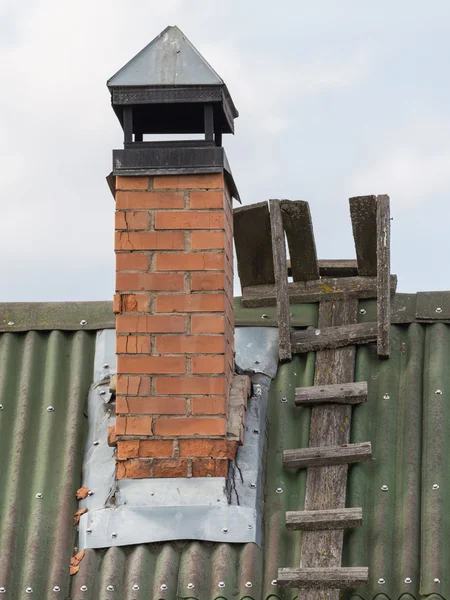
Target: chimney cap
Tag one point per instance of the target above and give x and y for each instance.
(171, 71)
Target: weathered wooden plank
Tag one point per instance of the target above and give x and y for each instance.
(323, 456)
(330, 426)
(301, 292)
(281, 281)
(300, 237)
(334, 268)
(314, 520)
(253, 242)
(312, 340)
(339, 393)
(363, 211)
(383, 276)
(320, 578)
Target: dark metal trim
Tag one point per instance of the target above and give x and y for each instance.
(170, 95)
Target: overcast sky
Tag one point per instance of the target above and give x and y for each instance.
(335, 98)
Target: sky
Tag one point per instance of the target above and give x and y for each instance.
(336, 99)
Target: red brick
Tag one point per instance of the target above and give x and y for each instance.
(207, 281)
(190, 261)
(134, 425)
(209, 405)
(208, 448)
(131, 220)
(149, 240)
(151, 364)
(133, 469)
(175, 467)
(209, 467)
(127, 449)
(190, 344)
(206, 181)
(133, 344)
(131, 261)
(190, 303)
(154, 282)
(207, 364)
(190, 385)
(150, 324)
(131, 183)
(201, 200)
(145, 405)
(190, 426)
(131, 303)
(149, 200)
(189, 220)
(207, 240)
(207, 324)
(155, 448)
(112, 439)
(131, 384)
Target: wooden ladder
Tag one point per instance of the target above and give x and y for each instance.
(338, 286)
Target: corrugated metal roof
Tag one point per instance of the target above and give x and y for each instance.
(406, 529)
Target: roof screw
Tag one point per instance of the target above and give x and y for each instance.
(437, 580)
(114, 535)
(56, 588)
(256, 431)
(221, 584)
(284, 399)
(106, 366)
(386, 397)
(50, 409)
(164, 586)
(362, 311)
(224, 529)
(408, 580)
(317, 332)
(83, 322)
(248, 584)
(279, 490)
(438, 310)
(381, 581)
(249, 526)
(439, 392)
(256, 362)
(90, 493)
(102, 392)
(83, 588)
(88, 530)
(274, 582)
(11, 323)
(264, 316)
(2, 590)
(384, 488)
(38, 495)
(96, 443)
(29, 590)
(135, 587)
(190, 586)
(109, 588)
(1, 406)
(435, 486)
(252, 485)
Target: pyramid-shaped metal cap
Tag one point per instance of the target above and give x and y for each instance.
(171, 71)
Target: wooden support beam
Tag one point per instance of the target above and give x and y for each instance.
(303, 292)
(253, 242)
(383, 276)
(322, 578)
(300, 237)
(333, 337)
(323, 456)
(281, 281)
(334, 268)
(314, 520)
(338, 393)
(363, 212)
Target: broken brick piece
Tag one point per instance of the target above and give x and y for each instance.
(82, 493)
(77, 515)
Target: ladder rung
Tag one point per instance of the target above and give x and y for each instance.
(323, 578)
(339, 393)
(321, 456)
(310, 520)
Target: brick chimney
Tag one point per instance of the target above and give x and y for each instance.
(174, 270)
